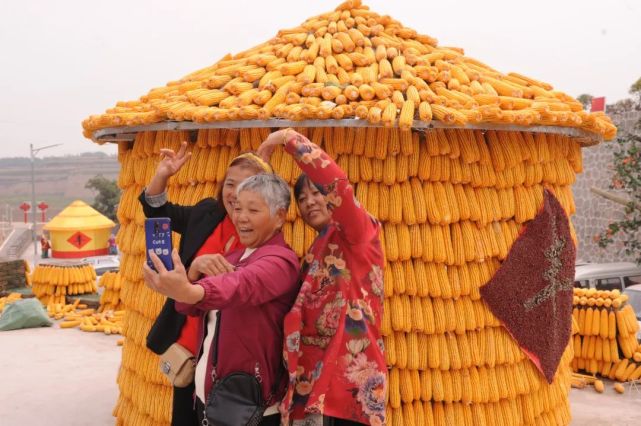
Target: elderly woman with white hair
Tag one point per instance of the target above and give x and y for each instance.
(239, 371)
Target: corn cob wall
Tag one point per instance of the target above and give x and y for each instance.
(606, 343)
(451, 203)
(52, 283)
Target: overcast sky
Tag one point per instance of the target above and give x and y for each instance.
(63, 60)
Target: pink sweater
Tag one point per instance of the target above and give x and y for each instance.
(252, 302)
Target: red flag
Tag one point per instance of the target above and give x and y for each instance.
(598, 104)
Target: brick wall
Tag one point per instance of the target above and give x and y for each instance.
(593, 212)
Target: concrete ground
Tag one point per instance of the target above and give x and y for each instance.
(68, 378)
(609, 408)
(58, 377)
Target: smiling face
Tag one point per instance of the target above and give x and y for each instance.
(254, 221)
(235, 175)
(313, 206)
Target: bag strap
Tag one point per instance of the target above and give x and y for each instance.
(216, 334)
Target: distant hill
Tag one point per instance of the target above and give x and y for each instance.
(59, 180)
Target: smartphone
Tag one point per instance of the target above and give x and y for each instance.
(158, 239)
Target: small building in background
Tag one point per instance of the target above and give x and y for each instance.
(79, 231)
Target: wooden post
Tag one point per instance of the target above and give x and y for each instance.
(616, 198)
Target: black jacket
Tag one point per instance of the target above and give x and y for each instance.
(195, 224)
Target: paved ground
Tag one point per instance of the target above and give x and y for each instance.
(609, 408)
(68, 378)
(57, 377)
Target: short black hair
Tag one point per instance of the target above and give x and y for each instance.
(304, 181)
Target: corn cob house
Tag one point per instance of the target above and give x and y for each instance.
(449, 154)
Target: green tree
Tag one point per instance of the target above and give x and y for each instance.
(586, 100)
(627, 177)
(635, 90)
(107, 197)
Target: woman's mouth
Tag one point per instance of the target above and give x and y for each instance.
(245, 230)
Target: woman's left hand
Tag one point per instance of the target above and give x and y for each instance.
(173, 284)
(273, 140)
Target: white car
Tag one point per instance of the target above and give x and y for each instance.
(103, 264)
(607, 276)
(634, 295)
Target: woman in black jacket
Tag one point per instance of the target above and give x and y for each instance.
(206, 233)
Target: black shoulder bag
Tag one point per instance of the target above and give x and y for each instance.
(236, 399)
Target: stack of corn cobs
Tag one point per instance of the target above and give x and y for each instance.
(606, 343)
(110, 298)
(354, 63)
(52, 283)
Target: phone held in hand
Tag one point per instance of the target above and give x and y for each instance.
(158, 239)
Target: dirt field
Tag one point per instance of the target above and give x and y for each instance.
(68, 378)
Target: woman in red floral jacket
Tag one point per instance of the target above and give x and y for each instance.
(333, 346)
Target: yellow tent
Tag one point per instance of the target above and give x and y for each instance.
(79, 231)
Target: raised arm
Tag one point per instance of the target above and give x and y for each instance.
(261, 281)
(356, 224)
(154, 197)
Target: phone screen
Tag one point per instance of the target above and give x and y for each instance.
(158, 239)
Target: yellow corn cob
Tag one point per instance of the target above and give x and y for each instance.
(405, 386)
(603, 323)
(621, 323)
(401, 349)
(405, 248)
(406, 117)
(394, 388)
(389, 115)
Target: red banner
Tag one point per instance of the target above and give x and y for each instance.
(598, 104)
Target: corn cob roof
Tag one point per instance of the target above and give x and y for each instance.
(78, 216)
(354, 63)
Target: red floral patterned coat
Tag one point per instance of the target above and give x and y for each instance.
(333, 346)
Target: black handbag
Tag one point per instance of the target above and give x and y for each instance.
(236, 399)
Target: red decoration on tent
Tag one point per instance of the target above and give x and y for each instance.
(532, 291)
(78, 240)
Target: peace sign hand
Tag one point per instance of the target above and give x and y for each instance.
(171, 162)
